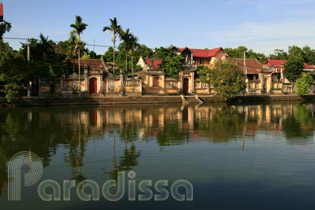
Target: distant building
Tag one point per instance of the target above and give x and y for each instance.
(279, 65)
(198, 57)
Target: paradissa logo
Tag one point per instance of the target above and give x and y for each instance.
(64, 192)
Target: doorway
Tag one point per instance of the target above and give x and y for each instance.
(155, 81)
(185, 85)
(93, 85)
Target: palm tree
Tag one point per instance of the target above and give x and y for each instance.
(125, 36)
(71, 49)
(130, 42)
(79, 27)
(133, 45)
(115, 29)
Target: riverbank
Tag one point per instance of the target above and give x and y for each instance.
(150, 99)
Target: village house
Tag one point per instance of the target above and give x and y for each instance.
(279, 66)
(96, 78)
(156, 82)
(260, 79)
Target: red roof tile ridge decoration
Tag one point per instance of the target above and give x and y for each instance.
(156, 62)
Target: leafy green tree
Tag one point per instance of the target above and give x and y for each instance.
(304, 83)
(126, 37)
(115, 29)
(293, 68)
(203, 73)
(171, 63)
(86, 56)
(279, 54)
(4, 27)
(239, 53)
(227, 80)
(306, 54)
(13, 71)
(309, 55)
(43, 60)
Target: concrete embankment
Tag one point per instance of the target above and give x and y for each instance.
(35, 101)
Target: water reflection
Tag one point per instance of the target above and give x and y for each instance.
(42, 130)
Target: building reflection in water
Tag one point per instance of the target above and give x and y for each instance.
(41, 130)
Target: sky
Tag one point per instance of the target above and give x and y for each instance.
(261, 25)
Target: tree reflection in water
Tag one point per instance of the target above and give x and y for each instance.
(45, 130)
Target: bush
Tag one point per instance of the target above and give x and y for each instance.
(303, 84)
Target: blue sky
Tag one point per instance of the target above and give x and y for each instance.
(261, 25)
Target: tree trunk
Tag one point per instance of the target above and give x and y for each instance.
(132, 65)
(126, 62)
(114, 55)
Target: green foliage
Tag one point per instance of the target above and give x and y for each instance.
(4, 27)
(43, 56)
(293, 68)
(141, 50)
(86, 56)
(304, 83)
(227, 80)
(239, 53)
(78, 26)
(306, 54)
(171, 63)
(279, 54)
(13, 71)
(204, 73)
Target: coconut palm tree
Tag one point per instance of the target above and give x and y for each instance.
(115, 29)
(79, 27)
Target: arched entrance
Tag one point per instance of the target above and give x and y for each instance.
(185, 85)
(93, 86)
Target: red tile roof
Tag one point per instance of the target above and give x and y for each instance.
(156, 63)
(277, 63)
(204, 53)
(252, 65)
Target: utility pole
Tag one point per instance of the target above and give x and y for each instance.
(28, 61)
(94, 49)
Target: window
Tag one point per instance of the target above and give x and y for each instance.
(202, 61)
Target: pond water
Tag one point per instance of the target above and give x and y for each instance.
(235, 157)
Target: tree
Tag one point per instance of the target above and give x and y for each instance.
(115, 29)
(239, 53)
(279, 54)
(4, 27)
(125, 36)
(227, 80)
(133, 45)
(309, 55)
(44, 63)
(13, 71)
(304, 83)
(293, 68)
(79, 27)
(171, 63)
